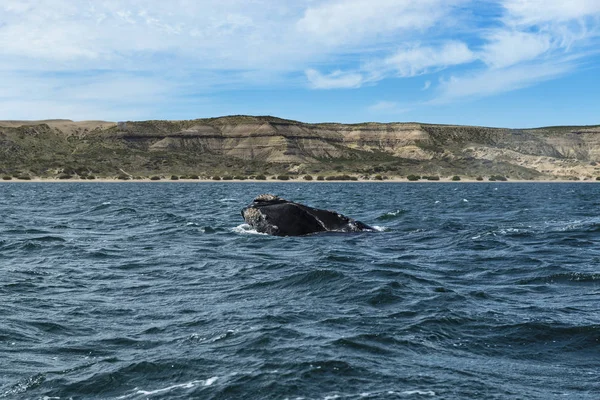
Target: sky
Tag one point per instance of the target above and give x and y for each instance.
(506, 63)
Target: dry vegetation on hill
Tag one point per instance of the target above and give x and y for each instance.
(244, 146)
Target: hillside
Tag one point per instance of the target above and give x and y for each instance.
(246, 146)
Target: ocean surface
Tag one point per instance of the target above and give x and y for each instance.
(159, 291)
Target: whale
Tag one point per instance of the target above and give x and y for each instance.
(276, 216)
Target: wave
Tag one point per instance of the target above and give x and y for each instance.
(107, 253)
(544, 339)
(505, 232)
(564, 278)
(423, 310)
(111, 381)
(377, 344)
(24, 385)
(125, 211)
(48, 238)
(100, 207)
(246, 229)
(50, 327)
(590, 225)
(143, 393)
(391, 215)
(25, 231)
(169, 217)
(313, 279)
(385, 295)
(50, 242)
(188, 385)
(378, 228)
(583, 225)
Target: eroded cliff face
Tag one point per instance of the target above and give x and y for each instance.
(276, 141)
(557, 151)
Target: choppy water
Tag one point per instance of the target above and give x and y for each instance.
(137, 290)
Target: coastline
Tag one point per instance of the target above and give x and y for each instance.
(389, 180)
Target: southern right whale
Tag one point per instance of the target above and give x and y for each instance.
(276, 216)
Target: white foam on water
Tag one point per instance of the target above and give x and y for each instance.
(188, 385)
(407, 393)
(430, 393)
(465, 201)
(210, 381)
(381, 228)
(246, 230)
(227, 200)
(393, 213)
(223, 335)
(507, 231)
(566, 226)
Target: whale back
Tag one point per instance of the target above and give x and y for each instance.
(276, 216)
(287, 219)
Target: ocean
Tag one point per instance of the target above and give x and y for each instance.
(159, 291)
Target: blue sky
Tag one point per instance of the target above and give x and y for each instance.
(509, 63)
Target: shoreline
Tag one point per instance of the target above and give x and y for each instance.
(391, 180)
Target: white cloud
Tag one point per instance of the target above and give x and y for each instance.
(108, 95)
(234, 34)
(567, 23)
(151, 53)
(533, 12)
(407, 62)
(418, 60)
(495, 81)
(426, 85)
(69, 51)
(537, 41)
(507, 48)
(339, 22)
(335, 80)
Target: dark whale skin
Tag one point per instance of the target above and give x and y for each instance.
(279, 217)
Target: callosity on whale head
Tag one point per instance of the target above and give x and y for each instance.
(276, 216)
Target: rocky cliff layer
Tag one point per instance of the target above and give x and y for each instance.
(272, 145)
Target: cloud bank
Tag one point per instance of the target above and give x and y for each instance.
(130, 58)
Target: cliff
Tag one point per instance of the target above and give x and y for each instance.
(245, 145)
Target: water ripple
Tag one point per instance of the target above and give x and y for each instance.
(134, 291)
